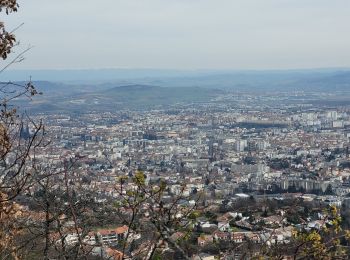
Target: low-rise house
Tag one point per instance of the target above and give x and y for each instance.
(275, 220)
(208, 227)
(72, 238)
(114, 254)
(237, 237)
(224, 226)
(219, 235)
(90, 238)
(276, 238)
(253, 237)
(244, 224)
(110, 236)
(235, 214)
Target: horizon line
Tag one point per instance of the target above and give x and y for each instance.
(178, 69)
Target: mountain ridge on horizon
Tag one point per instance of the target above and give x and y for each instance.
(101, 75)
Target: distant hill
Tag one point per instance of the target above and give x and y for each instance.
(172, 88)
(243, 81)
(266, 81)
(119, 97)
(148, 95)
(239, 80)
(335, 82)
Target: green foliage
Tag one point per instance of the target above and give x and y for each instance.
(194, 215)
(139, 178)
(324, 243)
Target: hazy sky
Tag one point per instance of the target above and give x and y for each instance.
(184, 34)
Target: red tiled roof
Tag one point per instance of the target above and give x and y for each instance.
(119, 230)
(114, 254)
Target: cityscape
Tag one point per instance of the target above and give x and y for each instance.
(196, 130)
(250, 173)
